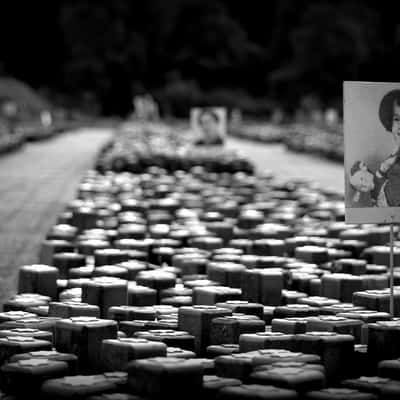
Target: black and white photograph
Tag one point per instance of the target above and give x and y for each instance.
(372, 140)
(209, 125)
(199, 200)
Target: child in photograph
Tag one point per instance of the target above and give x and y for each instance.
(209, 123)
(387, 177)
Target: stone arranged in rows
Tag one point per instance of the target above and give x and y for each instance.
(153, 269)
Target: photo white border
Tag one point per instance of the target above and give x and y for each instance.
(361, 215)
(220, 111)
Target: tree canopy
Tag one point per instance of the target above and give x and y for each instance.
(277, 49)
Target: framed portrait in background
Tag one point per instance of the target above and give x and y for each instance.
(209, 125)
(371, 112)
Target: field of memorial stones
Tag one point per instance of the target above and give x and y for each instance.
(180, 272)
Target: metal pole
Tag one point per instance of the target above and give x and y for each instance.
(391, 262)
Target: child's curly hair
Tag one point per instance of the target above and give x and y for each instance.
(386, 108)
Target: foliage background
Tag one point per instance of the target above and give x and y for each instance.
(251, 54)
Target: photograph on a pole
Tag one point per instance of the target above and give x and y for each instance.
(372, 152)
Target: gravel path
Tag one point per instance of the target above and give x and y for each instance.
(286, 164)
(36, 183)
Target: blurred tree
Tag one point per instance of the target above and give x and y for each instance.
(330, 44)
(279, 48)
(103, 53)
(211, 46)
(30, 41)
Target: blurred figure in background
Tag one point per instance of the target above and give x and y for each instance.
(332, 117)
(146, 108)
(236, 118)
(277, 116)
(152, 113)
(9, 114)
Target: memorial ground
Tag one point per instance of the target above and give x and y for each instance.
(38, 181)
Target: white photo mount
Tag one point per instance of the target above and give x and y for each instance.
(371, 113)
(209, 123)
(367, 109)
